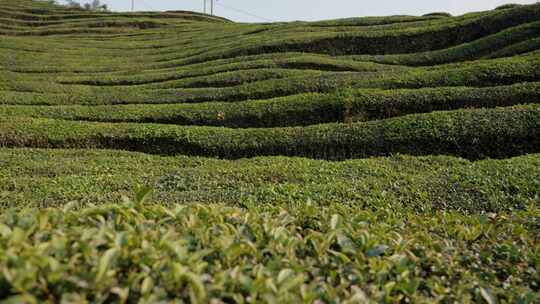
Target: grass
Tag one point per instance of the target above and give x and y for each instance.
(359, 160)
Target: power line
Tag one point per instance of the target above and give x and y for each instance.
(243, 12)
(212, 4)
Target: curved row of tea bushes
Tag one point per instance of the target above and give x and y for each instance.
(55, 13)
(240, 65)
(469, 51)
(525, 47)
(488, 73)
(121, 70)
(473, 134)
(368, 21)
(302, 109)
(485, 43)
(470, 29)
(396, 42)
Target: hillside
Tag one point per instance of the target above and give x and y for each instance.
(376, 159)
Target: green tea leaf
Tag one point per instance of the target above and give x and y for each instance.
(104, 263)
(488, 296)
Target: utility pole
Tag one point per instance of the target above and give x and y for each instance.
(132, 5)
(211, 6)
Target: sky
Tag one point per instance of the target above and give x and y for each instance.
(307, 10)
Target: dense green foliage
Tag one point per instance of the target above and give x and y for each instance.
(435, 121)
(473, 134)
(484, 47)
(46, 178)
(507, 6)
(438, 14)
(337, 253)
(348, 105)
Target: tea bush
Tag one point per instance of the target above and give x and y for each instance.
(435, 121)
(207, 253)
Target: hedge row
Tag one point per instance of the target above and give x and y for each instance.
(527, 46)
(30, 92)
(9, 10)
(488, 73)
(240, 66)
(396, 42)
(91, 70)
(507, 6)
(234, 78)
(74, 31)
(291, 36)
(78, 63)
(369, 24)
(472, 134)
(337, 43)
(97, 23)
(369, 21)
(303, 109)
(469, 51)
(296, 61)
(437, 14)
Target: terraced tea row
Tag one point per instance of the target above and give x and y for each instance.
(124, 90)
(482, 73)
(421, 184)
(499, 44)
(348, 105)
(472, 134)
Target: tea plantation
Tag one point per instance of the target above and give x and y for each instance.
(177, 157)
